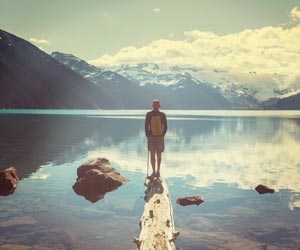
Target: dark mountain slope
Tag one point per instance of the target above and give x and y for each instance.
(291, 102)
(30, 78)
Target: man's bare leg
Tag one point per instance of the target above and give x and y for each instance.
(152, 157)
(158, 154)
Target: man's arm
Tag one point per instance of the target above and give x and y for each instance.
(165, 124)
(147, 122)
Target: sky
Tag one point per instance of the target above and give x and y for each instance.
(235, 36)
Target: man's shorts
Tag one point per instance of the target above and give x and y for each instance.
(156, 143)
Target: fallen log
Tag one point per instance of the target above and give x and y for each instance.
(157, 223)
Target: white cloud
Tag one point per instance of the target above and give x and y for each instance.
(39, 41)
(295, 14)
(272, 52)
(171, 35)
(157, 10)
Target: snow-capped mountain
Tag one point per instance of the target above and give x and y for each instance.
(127, 94)
(251, 91)
(175, 78)
(178, 87)
(177, 90)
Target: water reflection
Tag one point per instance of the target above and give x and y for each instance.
(237, 151)
(222, 158)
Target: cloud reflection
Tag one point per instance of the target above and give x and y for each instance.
(224, 154)
(238, 152)
(39, 176)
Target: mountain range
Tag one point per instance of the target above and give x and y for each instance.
(31, 78)
(184, 92)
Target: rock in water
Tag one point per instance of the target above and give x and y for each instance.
(8, 181)
(262, 189)
(189, 201)
(97, 177)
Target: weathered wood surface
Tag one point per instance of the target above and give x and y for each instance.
(157, 223)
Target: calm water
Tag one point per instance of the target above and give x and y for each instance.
(220, 156)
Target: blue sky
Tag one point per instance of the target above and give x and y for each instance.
(93, 28)
(237, 36)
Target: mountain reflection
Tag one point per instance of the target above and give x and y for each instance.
(241, 151)
(29, 141)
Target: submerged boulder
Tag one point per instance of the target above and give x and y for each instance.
(95, 178)
(8, 181)
(191, 200)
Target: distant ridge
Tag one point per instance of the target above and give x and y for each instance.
(32, 79)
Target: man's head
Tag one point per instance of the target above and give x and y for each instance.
(156, 104)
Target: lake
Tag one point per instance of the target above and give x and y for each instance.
(219, 155)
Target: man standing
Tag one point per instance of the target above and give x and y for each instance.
(155, 130)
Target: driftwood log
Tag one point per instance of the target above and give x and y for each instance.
(157, 223)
